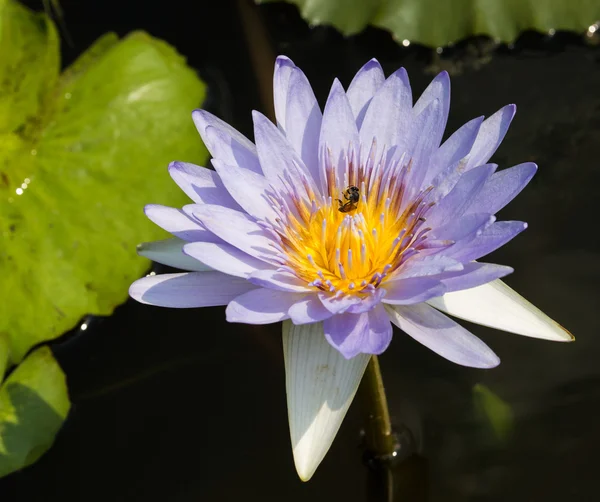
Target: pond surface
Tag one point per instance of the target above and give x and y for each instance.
(178, 405)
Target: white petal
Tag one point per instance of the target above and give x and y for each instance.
(496, 305)
(320, 385)
(170, 252)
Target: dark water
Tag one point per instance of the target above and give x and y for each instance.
(177, 405)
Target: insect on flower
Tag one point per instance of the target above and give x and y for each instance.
(352, 195)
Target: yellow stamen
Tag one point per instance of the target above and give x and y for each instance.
(348, 251)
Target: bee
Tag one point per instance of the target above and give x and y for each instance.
(351, 194)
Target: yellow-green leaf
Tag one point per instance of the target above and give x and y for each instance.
(80, 156)
(33, 405)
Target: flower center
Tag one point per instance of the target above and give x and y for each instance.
(351, 241)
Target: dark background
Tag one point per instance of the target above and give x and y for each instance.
(178, 405)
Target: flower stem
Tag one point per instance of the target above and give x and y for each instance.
(379, 438)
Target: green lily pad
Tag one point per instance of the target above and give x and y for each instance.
(80, 155)
(4, 353)
(438, 23)
(33, 405)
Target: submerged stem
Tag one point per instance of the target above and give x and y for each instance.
(379, 438)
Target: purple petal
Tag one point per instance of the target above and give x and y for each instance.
(363, 87)
(428, 265)
(438, 89)
(236, 228)
(472, 275)
(353, 334)
(281, 281)
(225, 143)
(308, 310)
(466, 227)
(337, 304)
(281, 78)
(455, 148)
(424, 140)
(493, 237)
(442, 335)
(389, 116)
(367, 303)
(338, 131)
(303, 122)
(276, 154)
(490, 136)
(200, 184)
(178, 223)
(261, 306)
(502, 187)
(456, 202)
(225, 258)
(413, 290)
(188, 290)
(248, 189)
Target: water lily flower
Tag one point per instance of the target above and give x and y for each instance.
(341, 223)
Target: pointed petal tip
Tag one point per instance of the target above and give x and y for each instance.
(371, 63)
(283, 60)
(498, 306)
(491, 362)
(199, 119)
(305, 464)
(337, 86)
(175, 165)
(568, 336)
(150, 208)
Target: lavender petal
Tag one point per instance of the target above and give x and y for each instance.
(276, 154)
(501, 188)
(413, 290)
(490, 136)
(442, 335)
(456, 202)
(308, 310)
(176, 222)
(472, 275)
(338, 130)
(363, 87)
(491, 238)
(225, 143)
(237, 229)
(438, 89)
(455, 148)
(224, 258)
(200, 184)
(248, 189)
(353, 334)
(188, 290)
(303, 122)
(389, 116)
(281, 78)
(261, 306)
(281, 281)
